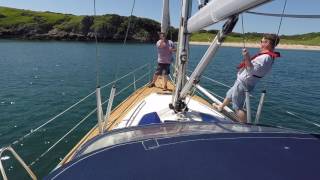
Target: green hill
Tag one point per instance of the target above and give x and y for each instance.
(25, 24)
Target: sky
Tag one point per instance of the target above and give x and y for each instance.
(152, 9)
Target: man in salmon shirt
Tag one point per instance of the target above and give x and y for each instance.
(250, 71)
(165, 49)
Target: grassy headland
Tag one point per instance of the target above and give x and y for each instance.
(26, 24)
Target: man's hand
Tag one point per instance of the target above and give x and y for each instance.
(172, 49)
(245, 54)
(246, 57)
(162, 43)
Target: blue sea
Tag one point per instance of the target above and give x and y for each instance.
(40, 79)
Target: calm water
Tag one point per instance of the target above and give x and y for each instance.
(40, 79)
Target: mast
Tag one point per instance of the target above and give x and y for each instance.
(182, 56)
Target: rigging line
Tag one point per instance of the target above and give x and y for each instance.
(191, 95)
(127, 32)
(125, 39)
(243, 34)
(284, 8)
(244, 46)
(301, 16)
(96, 43)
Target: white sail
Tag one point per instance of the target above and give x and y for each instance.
(165, 21)
(218, 10)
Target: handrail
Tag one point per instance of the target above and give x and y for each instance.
(24, 165)
(148, 64)
(32, 131)
(215, 81)
(212, 80)
(86, 117)
(220, 97)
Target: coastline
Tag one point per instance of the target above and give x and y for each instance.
(225, 44)
(256, 45)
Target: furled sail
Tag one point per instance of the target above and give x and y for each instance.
(165, 22)
(218, 10)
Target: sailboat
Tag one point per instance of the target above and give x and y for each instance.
(156, 134)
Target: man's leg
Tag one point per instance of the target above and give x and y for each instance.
(226, 100)
(165, 74)
(239, 98)
(242, 115)
(165, 80)
(154, 79)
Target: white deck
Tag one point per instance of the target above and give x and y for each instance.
(159, 103)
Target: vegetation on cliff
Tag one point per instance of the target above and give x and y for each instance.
(17, 23)
(26, 24)
(312, 39)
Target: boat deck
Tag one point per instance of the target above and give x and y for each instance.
(118, 113)
(221, 150)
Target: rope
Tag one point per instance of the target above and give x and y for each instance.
(279, 27)
(243, 33)
(191, 95)
(244, 46)
(127, 32)
(282, 14)
(303, 16)
(125, 39)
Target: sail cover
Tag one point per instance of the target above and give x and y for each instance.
(165, 22)
(218, 10)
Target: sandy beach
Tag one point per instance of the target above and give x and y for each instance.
(256, 45)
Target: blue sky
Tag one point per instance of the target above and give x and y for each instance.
(152, 9)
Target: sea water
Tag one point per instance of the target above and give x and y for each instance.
(40, 79)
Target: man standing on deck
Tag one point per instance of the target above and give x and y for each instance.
(251, 70)
(165, 49)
